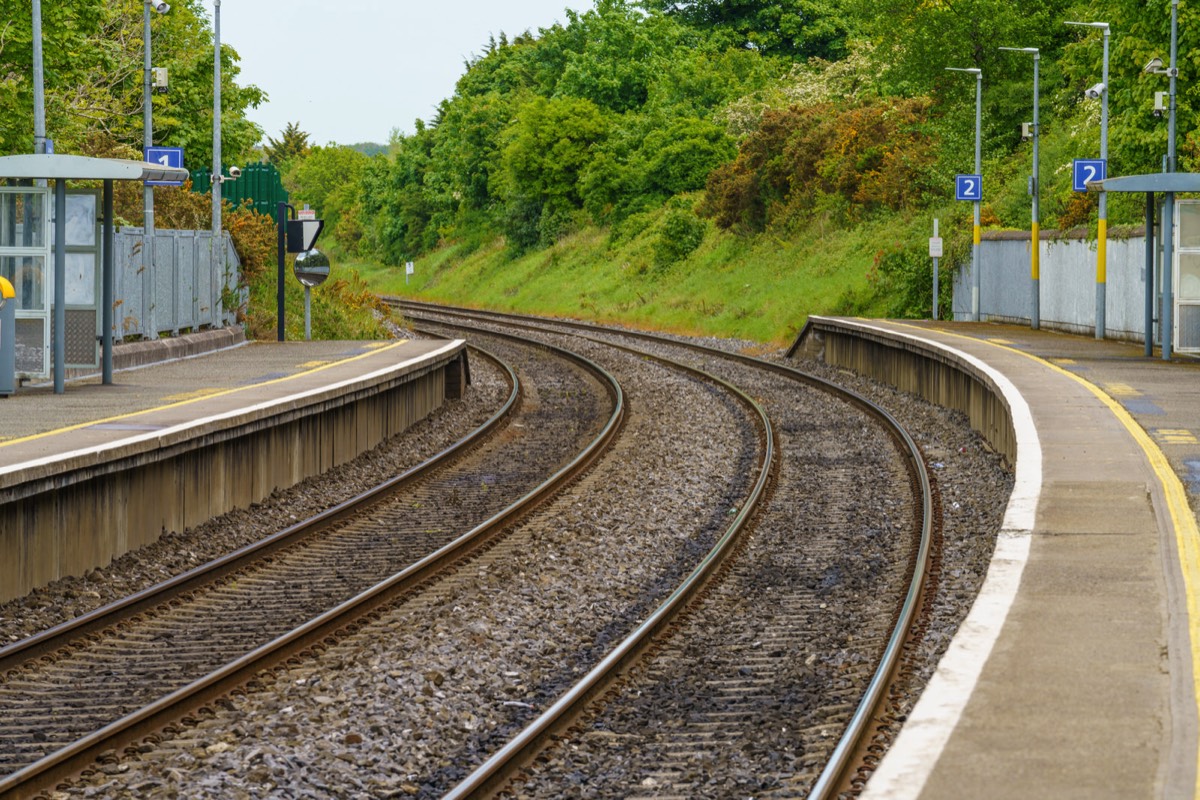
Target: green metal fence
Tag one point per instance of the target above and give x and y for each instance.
(258, 183)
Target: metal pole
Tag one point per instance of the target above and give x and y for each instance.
(149, 284)
(975, 268)
(1035, 318)
(281, 219)
(1167, 328)
(1149, 321)
(935, 273)
(1102, 225)
(39, 83)
(218, 246)
(107, 276)
(307, 313)
(60, 285)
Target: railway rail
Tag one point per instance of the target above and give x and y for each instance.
(747, 679)
(114, 675)
(417, 695)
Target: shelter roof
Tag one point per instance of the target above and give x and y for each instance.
(52, 166)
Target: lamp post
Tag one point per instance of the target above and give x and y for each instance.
(978, 73)
(148, 273)
(39, 84)
(1168, 222)
(1101, 90)
(1035, 189)
(217, 172)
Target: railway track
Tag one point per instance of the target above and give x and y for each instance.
(420, 694)
(108, 678)
(786, 700)
(520, 622)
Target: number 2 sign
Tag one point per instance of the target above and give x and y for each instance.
(968, 187)
(1086, 170)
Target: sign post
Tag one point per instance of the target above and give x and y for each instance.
(408, 270)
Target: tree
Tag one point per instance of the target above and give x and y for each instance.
(292, 144)
(794, 28)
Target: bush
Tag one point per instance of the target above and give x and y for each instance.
(682, 232)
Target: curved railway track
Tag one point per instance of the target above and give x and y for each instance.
(815, 745)
(459, 671)
(116, 674)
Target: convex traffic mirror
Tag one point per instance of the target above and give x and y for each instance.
(312, 267)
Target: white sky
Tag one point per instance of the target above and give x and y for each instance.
(352, 70)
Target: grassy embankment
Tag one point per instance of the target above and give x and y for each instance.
(761, 288)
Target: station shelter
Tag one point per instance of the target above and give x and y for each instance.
(56, 249)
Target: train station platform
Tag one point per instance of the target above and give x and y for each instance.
(102, 469)
(1074, 674)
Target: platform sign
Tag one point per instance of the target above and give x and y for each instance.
(1086, 170)
(935, 247)
(968, 187)
(166, 157)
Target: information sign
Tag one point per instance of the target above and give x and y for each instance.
(968, 187)
(166, 157)
(1086, 170)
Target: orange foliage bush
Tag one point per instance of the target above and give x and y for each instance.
(874, 155)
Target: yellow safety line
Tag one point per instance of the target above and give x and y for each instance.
(218, 393)
(1187, 532)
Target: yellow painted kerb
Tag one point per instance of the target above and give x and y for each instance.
(1187, 533)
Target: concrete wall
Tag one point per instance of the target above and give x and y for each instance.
(1067, 285)
(64, 519)
(910, 366)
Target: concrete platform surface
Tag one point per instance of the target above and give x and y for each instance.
(1074, 675)
(38, 423)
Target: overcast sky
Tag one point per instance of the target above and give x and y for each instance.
(351, 71)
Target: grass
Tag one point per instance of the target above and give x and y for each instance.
(761, 288)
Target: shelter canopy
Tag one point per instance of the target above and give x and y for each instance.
(51, 166)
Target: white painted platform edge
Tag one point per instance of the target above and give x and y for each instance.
(910, 760)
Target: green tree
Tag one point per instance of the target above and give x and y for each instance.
(292, 144)
(329, 179)
(544, 151)
(794, 28)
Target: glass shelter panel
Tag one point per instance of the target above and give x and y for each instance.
(22, 219)
(27, 274)
(1189, 278)
(1189, 226)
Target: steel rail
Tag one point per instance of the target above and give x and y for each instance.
(106, 616)
(327, 627)
(837, 774)
(499, 767)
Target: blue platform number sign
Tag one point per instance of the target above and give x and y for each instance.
(1086, 170)
(165, 157)
(968, 187)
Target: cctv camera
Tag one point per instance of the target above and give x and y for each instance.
(235, 172)
(159, 6)
(1153, 65)
(1096, 90)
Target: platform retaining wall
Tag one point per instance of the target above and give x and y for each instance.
(77, 513)
(910, 365)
